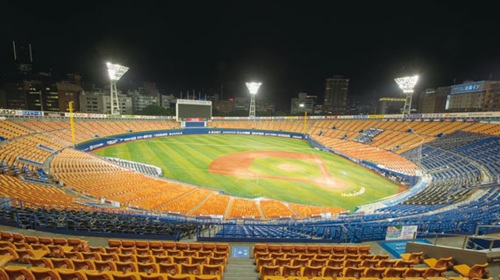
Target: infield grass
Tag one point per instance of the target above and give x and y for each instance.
(187, 158)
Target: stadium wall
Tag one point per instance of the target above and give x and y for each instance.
(117, 139)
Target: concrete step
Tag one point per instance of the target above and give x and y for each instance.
(240, 268)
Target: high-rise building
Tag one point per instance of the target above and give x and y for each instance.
(336, 90)
(303, 103)
(474, 97)
(23, 58)
(99, 102)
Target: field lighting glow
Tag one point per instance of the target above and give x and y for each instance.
(407, 84)
(253, 87)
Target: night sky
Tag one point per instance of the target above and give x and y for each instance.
(290, 46)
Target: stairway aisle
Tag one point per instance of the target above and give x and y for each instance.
(240, 269)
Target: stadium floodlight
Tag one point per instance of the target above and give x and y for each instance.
(302, 105)
(253, 88)
(407, 84)
(115, 72)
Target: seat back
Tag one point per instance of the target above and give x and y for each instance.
(148, 268)
(312, 271)
(356, 272)
(102, 266)
(193, 269)
(290, 270)
(44, 273)
(69, 274)
(376, 272)
(84, 265)
(333, 272)
(434, 272)
(19, 272)
(169, 268)
(208, 269)
(478, 271)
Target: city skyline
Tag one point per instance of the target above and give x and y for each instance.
(290, 46)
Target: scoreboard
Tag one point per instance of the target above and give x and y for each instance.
(193, 110)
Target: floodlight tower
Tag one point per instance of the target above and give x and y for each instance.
(115, 72)
(407, 84)
(253, 88)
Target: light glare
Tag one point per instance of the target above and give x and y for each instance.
(116, 71)
(407, 84)
(253, 87)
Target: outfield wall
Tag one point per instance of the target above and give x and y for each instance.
(117, 139)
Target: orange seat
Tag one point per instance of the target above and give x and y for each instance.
(169, 268)
(475, 271)
(73, 255)
(312, 271)
(333, 272)
(148, 268)
(142, 244)
(83, 265)
(193, 269)
(195, 246)
(19, 272)
(434, 272)
(145, 259)
(415, 257)
(62, 263)
(152, 244)
(199, 260)
(374, 272)
(414, 272)
(208, 269)
(126, 276)
(268, 270)
(291, 271)
(115, 243)
(109, 257)
(126, 267)
(44, 273)
(69, 274)
(41, 262)
(102, 266)
(99, 275)
(446, 262)
(153, 276)
(394, 272)
(355, 272)
(93, 256)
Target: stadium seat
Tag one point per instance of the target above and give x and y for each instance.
(415, 257)
(83, 264)
(475, 271)
(103, 265)
(19, 272)
(69, 274)
(312, 271)
(442, 262)
(44, 273)
(169, 268)
(147, 268)
(434, 272)
(41, 262)
(414, 272)
(99, 275)
(376, 272)
(291, 271)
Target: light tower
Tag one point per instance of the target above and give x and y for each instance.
(407, 84)
(115, 72)
(253, 88)
(302, 105)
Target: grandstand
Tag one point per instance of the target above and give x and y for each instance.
(451, 165)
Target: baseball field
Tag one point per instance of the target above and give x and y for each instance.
(257, 166)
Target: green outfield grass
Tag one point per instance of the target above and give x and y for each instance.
(187, 158)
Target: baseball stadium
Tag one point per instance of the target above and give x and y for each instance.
(96, 196)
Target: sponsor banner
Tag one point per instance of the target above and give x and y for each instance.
(52, 114)
(400, 232)
(108, 141)
(31, 113)
(10, 112)
(376, 116)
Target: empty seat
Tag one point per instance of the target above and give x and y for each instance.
(44, 273)
(83, 265)
(475, 271)
(312, 271)
(169, 268)
(415, 257)
(19, 272)
(446, 262)
(105, 266)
